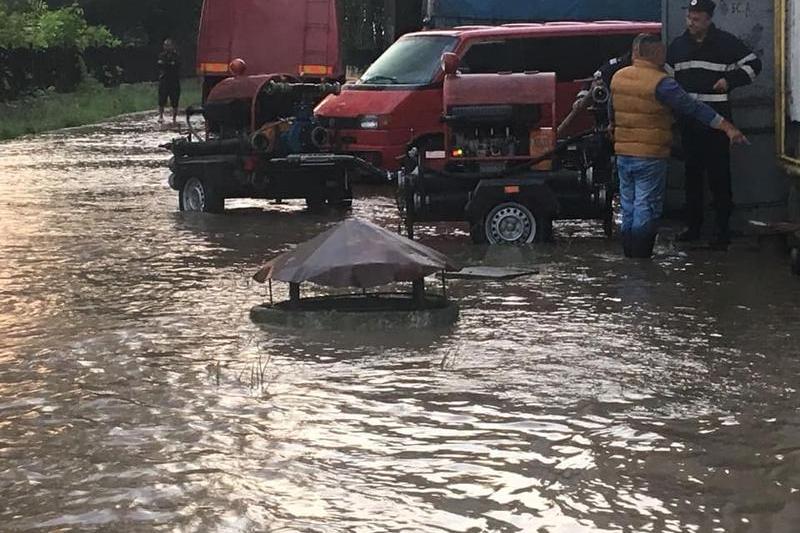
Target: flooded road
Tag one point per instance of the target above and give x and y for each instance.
(599, 396)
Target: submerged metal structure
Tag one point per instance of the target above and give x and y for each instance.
(357, 254)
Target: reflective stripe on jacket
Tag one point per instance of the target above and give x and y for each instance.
(699, 66)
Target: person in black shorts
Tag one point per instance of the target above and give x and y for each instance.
(169, 82)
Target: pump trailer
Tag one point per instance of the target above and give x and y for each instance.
(261, 140)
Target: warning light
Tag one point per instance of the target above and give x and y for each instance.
(238, 67)
(458, 152)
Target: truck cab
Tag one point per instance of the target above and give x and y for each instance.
(397, 103)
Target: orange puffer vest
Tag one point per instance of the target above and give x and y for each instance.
(643, 124)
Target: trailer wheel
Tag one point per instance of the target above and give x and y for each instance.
(795, 261)
(510, 223)
(198, 196)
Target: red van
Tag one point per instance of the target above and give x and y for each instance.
(296, 37)
(397, 103)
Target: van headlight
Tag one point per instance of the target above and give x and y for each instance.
(373, 122)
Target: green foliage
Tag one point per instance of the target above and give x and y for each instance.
(143, 22)
(89, 104)
(31, 24)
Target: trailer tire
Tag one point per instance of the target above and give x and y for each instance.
(199, 196)
(511, 223)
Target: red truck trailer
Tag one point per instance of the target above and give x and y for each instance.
(296, 37)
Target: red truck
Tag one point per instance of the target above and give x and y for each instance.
(296, 37)
(397, 103)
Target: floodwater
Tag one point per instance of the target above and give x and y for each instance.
(599, 396)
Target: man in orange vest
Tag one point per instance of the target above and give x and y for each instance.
(643, 100)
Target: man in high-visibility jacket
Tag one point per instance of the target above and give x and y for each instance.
(709, 63)
(643, 99)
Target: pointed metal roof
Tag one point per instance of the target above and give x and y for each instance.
(356, 253)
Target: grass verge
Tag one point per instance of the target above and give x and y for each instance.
(89, 104)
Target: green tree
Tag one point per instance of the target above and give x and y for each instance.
(31, 24)
(142, 22)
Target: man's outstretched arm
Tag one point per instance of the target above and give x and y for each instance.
(671, 94)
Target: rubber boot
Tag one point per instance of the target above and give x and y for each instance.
(627, 244)
(642, 245)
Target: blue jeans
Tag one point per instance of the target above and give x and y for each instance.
(642, 187)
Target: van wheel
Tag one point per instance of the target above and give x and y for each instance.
(198, 196)
(510, 223)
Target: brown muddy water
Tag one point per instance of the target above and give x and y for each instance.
(599, 396)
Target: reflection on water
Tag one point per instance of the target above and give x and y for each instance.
(599, 396)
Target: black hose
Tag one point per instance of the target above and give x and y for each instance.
(221, 147)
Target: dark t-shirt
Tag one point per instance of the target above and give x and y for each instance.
(169, 67)
(607, 71)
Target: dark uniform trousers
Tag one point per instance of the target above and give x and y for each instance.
(708, 156)
(698, 67)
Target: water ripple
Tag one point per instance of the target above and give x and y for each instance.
(598, 396)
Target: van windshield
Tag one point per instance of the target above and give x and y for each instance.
(409, 61)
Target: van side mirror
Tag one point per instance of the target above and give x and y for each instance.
(450, 63)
